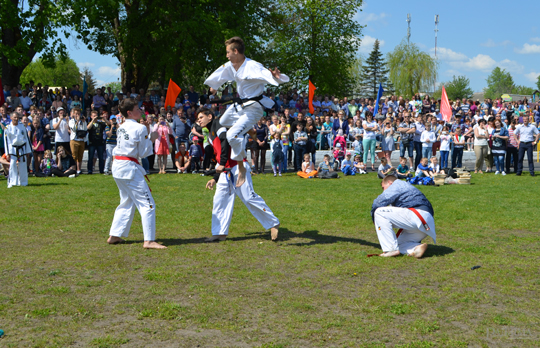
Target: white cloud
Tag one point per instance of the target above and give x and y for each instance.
(535, 39)
(491, 43)
(108, 71)
(532, 76)
(528, 49)
(85, 65)
(452, 72)
(480, 62)
(99, 82)
(448, 54)
(371, 17)
(368, 42)
(511, 66)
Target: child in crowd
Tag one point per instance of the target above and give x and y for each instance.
(47, 164)
(384, 169)
(339, 154)
(308, 168)
(347, 166)
(195, 152)
(325, 169)
(182, 159)
(423, 169)
(358, 165)
(276, 145)
(445, 138)
(340, 139)
(435, 167)
(358, 146)
(403, 171)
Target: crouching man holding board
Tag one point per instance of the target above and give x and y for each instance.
(404, 207)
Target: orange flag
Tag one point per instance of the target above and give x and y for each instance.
(446, 110)
(311, 92)
(172, 93)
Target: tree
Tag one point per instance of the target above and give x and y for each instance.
(499, 82)
(316, 40)
(115, 86)
(64, 73)
(522, 90)
(26, 29)
(374, 72)
(155, 40)
(411, 70)
(458, 88)
(538, 82)
(90, 80)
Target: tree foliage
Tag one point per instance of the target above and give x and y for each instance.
(160, 39)
(458, 88)
(411, 70)
(28, 28)
(375, 72)
(499, 82)
(316, 40)
(538, 82)
(64, 73)
(522, 90)
(90, 80)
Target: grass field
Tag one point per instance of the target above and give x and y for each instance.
(63, 286)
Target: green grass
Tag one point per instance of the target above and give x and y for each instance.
(62, 285)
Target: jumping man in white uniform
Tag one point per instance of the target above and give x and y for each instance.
(133, 142)
(250, 77)
(17, 144)
(227, 172)
(404, 207)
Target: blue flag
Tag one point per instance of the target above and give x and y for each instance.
(84, 90)
(379, 96)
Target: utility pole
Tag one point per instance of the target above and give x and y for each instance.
(436, 31)
(409, 27)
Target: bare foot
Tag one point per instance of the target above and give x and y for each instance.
(115, 240)
(241, 175)
(274, 232)
(390, 253)
(419, 251)
(150, 244)
(219, 238)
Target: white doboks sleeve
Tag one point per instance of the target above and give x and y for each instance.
(132, 141)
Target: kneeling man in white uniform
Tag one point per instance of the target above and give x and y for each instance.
(404, 207)
(133, 142)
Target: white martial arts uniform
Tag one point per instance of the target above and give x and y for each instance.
(388, 218)
(17, 142)
(391, 210)
(132, 141)
(224, 202)
(250, 79)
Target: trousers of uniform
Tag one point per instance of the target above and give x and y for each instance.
(239, 123)
(226, 191)
(18, 172)
(388, 218)
(134, 195)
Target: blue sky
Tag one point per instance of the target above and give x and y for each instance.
(474, 37)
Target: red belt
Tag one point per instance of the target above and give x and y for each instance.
(132, 159)
(424, 223)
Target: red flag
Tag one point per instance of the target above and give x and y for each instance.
(2, 100)
(311, 92)
(172, 93)
(446, 110)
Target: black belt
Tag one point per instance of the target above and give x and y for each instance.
(237, 100)
(17, 149)
(526, 142)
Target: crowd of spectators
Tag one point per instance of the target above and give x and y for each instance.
(67, 123)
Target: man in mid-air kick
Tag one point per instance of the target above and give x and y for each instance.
(250, 77)
(227, 172)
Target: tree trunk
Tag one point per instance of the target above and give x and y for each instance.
(11, 74)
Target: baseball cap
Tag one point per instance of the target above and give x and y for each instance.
(337, 145)
(195, 138)
(60, 108)
(113, 117)
(349, 154)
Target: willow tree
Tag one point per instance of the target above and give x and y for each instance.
(411, 70)
(317, 40)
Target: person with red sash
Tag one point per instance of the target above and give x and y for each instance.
(133, 142)
(224, 180)
(402, 206)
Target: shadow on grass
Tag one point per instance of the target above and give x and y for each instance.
(286, 235)
(48, 184)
